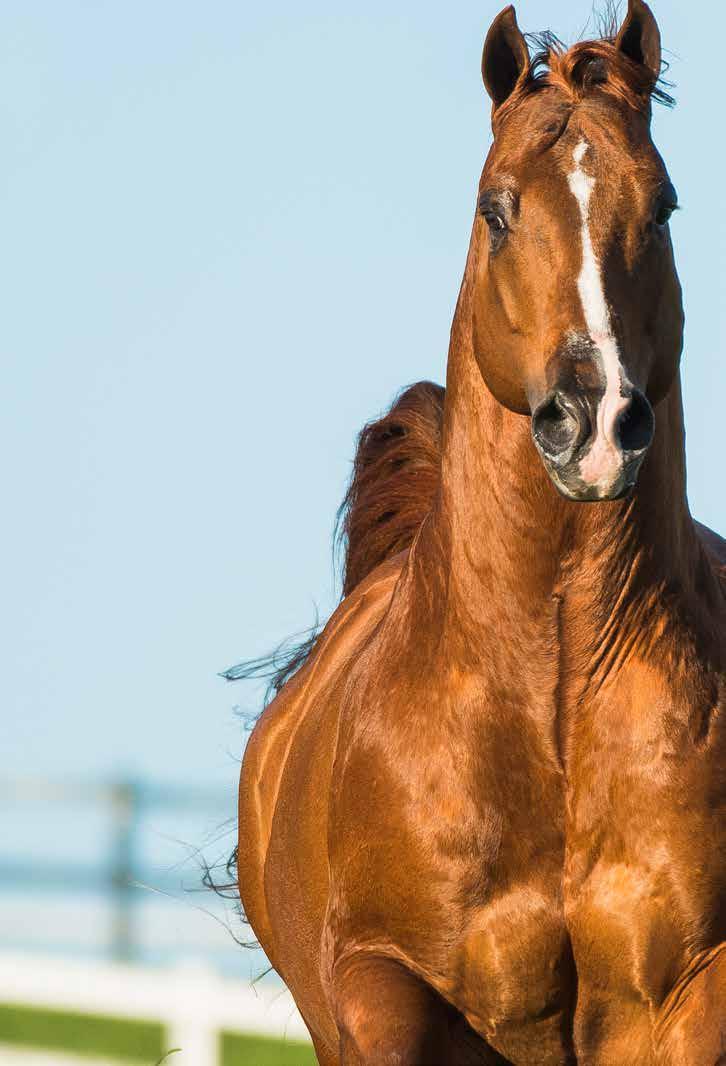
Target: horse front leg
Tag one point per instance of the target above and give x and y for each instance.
(692, 1030)
(387, 1016)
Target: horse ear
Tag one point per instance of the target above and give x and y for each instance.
(639, 37)
(505, 58)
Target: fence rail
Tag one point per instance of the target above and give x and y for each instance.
(193, 1005)
(128, 803)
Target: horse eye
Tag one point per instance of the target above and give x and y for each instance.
(495, 207)
(492, 213)
(663, 214)
(666, 205)
(495, 222)
(498, 230)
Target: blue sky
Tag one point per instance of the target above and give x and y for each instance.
(231, 232)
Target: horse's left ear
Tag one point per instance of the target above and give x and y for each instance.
(639, 37)
(505, 58)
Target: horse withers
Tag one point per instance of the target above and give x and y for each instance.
(484, 820)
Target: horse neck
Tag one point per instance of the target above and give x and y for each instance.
(510, 552)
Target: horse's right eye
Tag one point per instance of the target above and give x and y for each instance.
(495, 222)
(493, 215)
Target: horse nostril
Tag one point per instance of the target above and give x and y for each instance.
(636, 424)
(556, 427)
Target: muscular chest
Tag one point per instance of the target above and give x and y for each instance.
(518, 975)
(516, 971)
(637, 886)
(645, 861)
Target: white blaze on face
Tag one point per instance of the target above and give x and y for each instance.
(603, 462)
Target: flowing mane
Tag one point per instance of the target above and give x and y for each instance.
(394, 481)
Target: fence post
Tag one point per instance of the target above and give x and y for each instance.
(197, 1042)
(125, 810)
(191, 1026)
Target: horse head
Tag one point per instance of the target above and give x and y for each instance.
(576, 304)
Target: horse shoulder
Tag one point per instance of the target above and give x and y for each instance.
(273, 772)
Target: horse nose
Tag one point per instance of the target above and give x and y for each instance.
(636, 424)
(559, 425)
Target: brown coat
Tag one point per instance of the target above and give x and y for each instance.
(484, 822)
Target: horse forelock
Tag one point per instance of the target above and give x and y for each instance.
(585, 70)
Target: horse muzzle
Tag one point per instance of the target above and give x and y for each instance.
(592, 446)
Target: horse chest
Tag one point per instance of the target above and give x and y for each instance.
(645, 870)
(618, 865)
(517, 967)
(516, 970)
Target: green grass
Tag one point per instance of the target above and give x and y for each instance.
(111, 1037)
(256, 1051)
(133, 1042)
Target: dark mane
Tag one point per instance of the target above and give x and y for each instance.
(394, 480)
(585, 68)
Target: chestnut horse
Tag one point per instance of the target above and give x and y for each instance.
(485, 821)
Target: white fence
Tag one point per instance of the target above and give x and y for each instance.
(194, 1005)
(127, 813)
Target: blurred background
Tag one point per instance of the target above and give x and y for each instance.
(231, 233)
